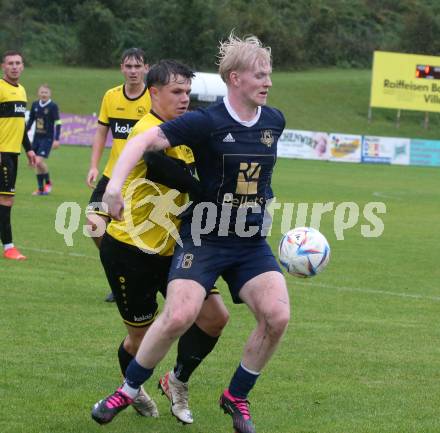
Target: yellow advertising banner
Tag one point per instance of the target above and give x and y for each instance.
(405, 81)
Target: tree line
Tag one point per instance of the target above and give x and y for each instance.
(312, 33)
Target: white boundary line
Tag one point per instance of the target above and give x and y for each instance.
(298, 282)
(394, 196)
(60, 253)
(372, 291)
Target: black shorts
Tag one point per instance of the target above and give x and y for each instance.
(42, 146)
(95, 202)
(135, 278)
(237, 260)
(8, 172)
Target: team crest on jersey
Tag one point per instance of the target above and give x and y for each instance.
(141, 111)
(267, 137)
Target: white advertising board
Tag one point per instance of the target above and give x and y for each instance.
(303, 144)
(385, 150)
(345, 147)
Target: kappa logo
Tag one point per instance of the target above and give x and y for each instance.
(229, 139)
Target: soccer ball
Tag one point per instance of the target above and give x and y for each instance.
(304, 252)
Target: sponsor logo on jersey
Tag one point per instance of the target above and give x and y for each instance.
(123, 129)
(19, 108)
(247, 179)
(242, 201)
(228, 198)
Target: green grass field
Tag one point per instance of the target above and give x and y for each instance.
(330, 100)
(361, 355)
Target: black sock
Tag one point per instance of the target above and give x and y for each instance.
(193, 347)
(40, 180)
(46, 177)
(5, 224)
(124, 358)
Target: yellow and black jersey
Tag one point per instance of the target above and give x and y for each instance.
(121, 113)
(12, 111)
(149, 218)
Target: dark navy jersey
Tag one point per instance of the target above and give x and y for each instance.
(46, 118)
(234, 160)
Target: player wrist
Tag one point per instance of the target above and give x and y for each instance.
(112, 189)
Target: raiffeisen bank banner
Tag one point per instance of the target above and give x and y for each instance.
(405, 81)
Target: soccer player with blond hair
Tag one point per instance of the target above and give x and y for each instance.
(235, 147)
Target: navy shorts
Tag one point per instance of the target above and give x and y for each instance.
(95, 202)
(237, 260)
(135, 278)
(42, 146)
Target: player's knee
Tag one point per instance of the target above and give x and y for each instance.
(221, 319)
(177, 322)
(134, 339)
(218, 322)
(6, 200)
(276, 321)
(132, 344)
(213, 325)
(213, 316)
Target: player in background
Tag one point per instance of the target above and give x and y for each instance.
(121, 107)
(136, 254)
(235, 147)
(12, 136)
(45, 114)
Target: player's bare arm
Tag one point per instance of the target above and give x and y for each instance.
(97, 149)
(152, 140)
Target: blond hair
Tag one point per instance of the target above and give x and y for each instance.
(237, 54)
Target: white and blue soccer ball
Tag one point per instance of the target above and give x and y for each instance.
(304, 252)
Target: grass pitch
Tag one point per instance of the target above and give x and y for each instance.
(361, 354)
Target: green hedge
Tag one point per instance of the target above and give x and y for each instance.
(301, 33)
